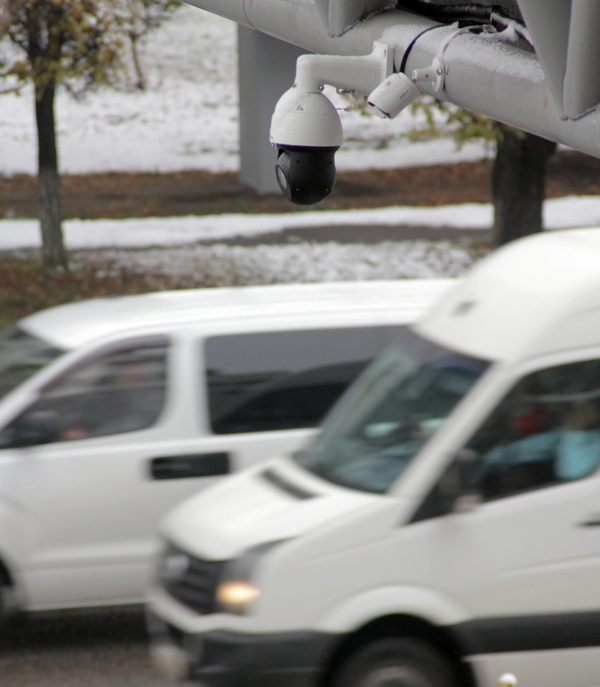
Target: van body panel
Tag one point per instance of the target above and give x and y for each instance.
(77, 324)
(262, 510)
(530, 551)
(419, 602)
(501, 311)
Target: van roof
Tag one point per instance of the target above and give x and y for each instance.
(526, 298)
(76, 324)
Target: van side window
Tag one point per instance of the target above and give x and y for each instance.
(121, 390)
(271, 381)
(546, 431)
(21, 356)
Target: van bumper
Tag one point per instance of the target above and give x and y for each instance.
(229, 659)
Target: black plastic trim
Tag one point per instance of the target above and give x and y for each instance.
(298, 659)
(530, 633)
(272, 660)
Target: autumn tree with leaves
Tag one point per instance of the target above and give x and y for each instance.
(519, 170)
(53, 42)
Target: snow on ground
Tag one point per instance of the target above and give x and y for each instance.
(168, 246)
(159, 231)
(188, 116)
(223, 265)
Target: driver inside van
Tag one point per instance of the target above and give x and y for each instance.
(573, 443)
(126, 401)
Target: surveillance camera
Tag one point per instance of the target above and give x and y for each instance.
(392, 96)
(307, 131)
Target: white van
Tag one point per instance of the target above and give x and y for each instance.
(444, 526)
(113, 410)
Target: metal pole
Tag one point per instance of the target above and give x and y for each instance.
(266, 68)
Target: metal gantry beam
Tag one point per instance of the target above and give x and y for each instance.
(552, 92)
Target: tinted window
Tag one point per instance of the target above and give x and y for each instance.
(546, 431)
(120, 391)
(284, 380)
(21, 356)
(396, 406)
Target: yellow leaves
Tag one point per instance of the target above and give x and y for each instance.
(436, 118)
(70, 41)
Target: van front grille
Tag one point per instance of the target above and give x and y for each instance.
(192, 581)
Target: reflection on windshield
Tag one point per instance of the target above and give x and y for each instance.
(397, 405)
(21, 356)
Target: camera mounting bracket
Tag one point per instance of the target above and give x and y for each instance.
(357, 75)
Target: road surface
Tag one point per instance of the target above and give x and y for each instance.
(106, 649)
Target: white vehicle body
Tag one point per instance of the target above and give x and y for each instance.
(79, 506)
(460, 555)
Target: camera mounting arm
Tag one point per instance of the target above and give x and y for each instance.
(349, 74)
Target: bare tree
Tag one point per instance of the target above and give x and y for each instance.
(137, 18)
(54, 42)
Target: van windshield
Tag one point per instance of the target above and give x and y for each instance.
(389, 413)
(21, 356)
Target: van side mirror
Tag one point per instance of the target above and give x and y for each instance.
(454, 492)
(456, 486)
(466, 503)
(466, 497)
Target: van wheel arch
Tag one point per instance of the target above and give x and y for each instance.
(433, 639)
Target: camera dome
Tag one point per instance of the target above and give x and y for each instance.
(305, 175)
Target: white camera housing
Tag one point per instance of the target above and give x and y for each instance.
(392, 96)
(306, 119)
(307, 131)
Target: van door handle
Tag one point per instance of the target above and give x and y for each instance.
(190, 465)
(594, 521)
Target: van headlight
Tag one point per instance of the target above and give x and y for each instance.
(236, 590)
(235, 596)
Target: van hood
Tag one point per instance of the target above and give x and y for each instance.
(277, 500)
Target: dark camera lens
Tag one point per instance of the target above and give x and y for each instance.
(305, 175)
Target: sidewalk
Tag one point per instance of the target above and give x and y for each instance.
(345, 226)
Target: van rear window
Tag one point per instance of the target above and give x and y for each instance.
(270, 381)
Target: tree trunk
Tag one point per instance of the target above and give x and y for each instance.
(518, 182)
(53, 250)
(141, 79)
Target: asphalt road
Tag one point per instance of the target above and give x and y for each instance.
(107, 649)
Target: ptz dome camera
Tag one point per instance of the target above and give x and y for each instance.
(307, 131)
